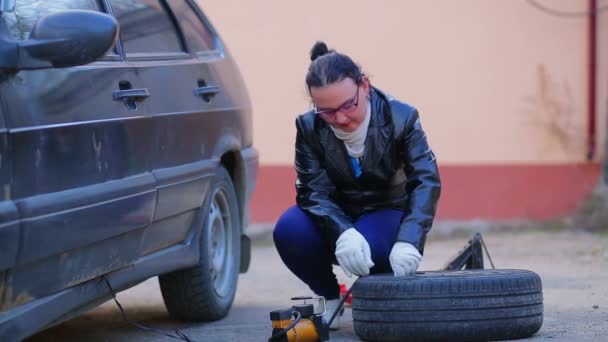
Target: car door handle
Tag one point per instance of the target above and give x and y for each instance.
(206, 91)
(136, 94)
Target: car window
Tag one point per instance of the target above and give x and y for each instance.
(27, 12)
(146, 27)
(198, 36)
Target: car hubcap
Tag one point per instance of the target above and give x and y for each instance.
(220, 237)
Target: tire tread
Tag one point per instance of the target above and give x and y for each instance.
(471, 305)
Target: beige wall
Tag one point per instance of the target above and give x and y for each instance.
(496, 81)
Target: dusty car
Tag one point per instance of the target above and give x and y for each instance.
(125, 153)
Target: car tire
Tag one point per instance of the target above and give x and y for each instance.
(206, 291)
(469, 305)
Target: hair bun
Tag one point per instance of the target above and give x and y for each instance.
(319, 49)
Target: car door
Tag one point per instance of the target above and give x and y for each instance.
(184, 101)
(80, 151)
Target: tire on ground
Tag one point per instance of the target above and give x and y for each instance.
(469, 305)
(206, 291)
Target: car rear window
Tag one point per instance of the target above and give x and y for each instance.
(21, 21)
(146, 27)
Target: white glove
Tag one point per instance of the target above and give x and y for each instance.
(404, 259)
(353, 253)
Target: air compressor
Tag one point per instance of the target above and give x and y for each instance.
(301, 323)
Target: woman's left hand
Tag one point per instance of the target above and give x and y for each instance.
(404, 259)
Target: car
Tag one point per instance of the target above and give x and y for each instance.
(126, 152)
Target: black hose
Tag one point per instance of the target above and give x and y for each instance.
(339, 306)
(298, 317)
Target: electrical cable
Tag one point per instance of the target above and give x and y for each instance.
(565, 14)
(178, 334)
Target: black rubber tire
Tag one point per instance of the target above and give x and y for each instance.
(469, 305)
(190, 294)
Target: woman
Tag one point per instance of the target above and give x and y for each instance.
(367, 181)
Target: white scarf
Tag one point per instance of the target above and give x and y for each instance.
(355, 140)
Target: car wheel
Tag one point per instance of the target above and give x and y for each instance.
(206, 292)
(469, 305)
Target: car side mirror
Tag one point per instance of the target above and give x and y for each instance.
(69, 38)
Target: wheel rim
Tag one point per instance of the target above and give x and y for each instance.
(219, 239)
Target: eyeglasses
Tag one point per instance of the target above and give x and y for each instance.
(346, 107)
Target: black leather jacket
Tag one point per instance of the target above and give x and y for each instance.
(399, 171)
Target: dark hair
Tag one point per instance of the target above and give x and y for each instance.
(328, 66)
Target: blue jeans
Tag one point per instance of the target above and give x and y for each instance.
(304, 251)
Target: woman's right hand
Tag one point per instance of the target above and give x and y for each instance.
(353, 253)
